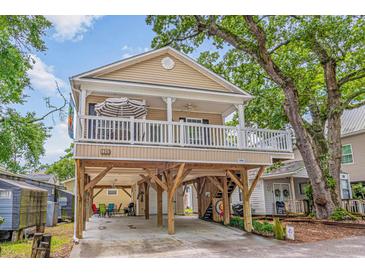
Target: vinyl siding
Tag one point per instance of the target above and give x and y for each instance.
(356, 169)
(161, 114)
(151, 72)
(174, 154)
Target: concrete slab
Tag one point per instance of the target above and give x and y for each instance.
(194, 238)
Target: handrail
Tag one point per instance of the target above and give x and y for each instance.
(141, 131)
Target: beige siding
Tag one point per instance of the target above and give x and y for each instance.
(161, 115)
(103, 198)
(152, 72)
(357, 169)
(176, 154)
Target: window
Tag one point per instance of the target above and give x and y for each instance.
(112, 192)
(347, 157)
(5, 194)
(302, 187)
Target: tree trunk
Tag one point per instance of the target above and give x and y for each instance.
(334, 129)
(321, 195)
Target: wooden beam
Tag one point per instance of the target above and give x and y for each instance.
(254, 182)
(80, 171)
(226, 216)
(181, 174)
(156, 179)
(111, 186)
(97, 193)
(247, 218)
(202, 186)
(97, 179)
(146, 200)
(125, 191)
(164, 165)
(235, 179)
(159, 206)
(215, 182)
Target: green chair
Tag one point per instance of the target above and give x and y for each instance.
(102, 210)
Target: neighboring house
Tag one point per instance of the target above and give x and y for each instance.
(69, 184)
(353, 144)
(157, 120)
(293, 176)
(282, 190)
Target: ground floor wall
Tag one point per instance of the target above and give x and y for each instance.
(121, 199)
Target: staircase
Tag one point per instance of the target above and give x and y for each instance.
(208, 215)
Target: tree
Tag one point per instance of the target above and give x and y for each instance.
(304, 70)
(22, 137)
(64, 168)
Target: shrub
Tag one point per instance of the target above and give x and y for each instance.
(358, 191)
(278, 229)
(340, 214)
(188, 211)
(1, 220)
(262, 227)
(236, 222)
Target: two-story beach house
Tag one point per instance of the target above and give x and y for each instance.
(153, 124)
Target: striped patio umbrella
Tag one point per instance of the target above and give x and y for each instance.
(121, 107)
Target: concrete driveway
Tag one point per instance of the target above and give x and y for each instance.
(194, 238)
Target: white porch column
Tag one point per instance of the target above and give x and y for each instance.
(169, 101)
(241, 126)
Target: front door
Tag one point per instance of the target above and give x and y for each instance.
(281, 196)
(194, 133)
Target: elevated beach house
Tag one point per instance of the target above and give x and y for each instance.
(154, 124)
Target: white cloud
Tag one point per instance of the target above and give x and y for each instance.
(71, 27)
(129, 51)
(57, 143)
(42, 77)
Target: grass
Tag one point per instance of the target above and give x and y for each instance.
(61, 243)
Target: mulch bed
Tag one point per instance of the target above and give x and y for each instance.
(317, 231)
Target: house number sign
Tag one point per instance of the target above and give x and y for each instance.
(105, 151)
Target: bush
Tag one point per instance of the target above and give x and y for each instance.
(340, 214)
(278, 229)
(188, 211)
(236, 222)
(262, 227)
(1, 220)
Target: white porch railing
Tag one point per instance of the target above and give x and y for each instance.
(140, 131)
(295, 206)
(355, 206)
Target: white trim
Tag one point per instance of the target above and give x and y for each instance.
(158, 90)
(182, 57)
(169, 160)
(352, 155)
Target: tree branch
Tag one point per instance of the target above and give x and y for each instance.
(55, 109)
(347, 103)
(284, 43)
(352, 76)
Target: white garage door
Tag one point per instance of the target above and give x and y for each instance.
(153, 201)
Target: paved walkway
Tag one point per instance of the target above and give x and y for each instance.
(194, 238)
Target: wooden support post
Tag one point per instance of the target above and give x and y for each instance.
(146, 200)
(247, 218)
(172, 186)
(226, 217)
(170, 204)
(80, 171)
(159, 206)
(84, 204)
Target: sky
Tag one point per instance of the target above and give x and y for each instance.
(76, 44)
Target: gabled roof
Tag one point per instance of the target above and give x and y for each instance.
(104, 70)
(353, 121)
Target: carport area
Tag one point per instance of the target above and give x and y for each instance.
(137, 237)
